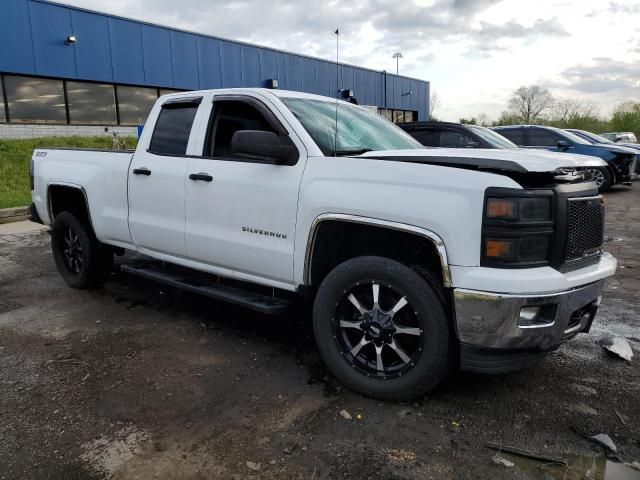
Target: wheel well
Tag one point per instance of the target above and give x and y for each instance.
(336, 241)
(67, 199)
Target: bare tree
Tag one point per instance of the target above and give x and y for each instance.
(434, 103)
(529, 103)
(568, 109)
(483, 120)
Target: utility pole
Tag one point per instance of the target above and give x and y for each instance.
(397, 56)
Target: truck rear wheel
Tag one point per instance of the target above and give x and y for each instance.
(382, 329)
(81, 260)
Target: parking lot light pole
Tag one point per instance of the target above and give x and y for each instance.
(397, 56)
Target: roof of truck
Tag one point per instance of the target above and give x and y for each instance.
(268, 91)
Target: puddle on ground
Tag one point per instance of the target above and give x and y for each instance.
(579, 468)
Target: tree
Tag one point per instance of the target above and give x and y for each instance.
(529, 103)
(434, 104)
(626, 118)
(483, 120)
(508, 118)
(468, 121)
(568, 110)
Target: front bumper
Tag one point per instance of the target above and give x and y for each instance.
(494, 338)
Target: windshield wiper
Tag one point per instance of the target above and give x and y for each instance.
(345, 153)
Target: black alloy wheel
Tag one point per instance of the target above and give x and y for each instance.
(83, 262)
(72, 250)
(382, 328)
(377, 330)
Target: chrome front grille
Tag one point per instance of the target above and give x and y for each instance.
(585, 227)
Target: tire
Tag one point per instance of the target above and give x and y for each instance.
(377, 369)
(602, 176)
(81, 260)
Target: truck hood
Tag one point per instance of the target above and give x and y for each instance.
(513, 160)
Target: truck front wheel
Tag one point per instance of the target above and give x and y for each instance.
(382, 329)
(81, 260)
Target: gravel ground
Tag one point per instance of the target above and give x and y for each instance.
(139, 381)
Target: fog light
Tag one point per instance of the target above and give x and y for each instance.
(537, 317)
(529, 314)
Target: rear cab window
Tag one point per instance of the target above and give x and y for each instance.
(454, 139)
(173, 126)
(427, 136)
(539, 137)
(516, 135)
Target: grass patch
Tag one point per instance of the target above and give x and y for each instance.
(16, 154)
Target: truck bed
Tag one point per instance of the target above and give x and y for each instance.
(102, 177)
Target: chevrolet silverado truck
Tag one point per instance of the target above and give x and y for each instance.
(415, 260)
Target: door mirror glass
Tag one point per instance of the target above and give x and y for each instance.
(261, 145)
(563, 145)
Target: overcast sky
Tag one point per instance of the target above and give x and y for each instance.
(474, 52)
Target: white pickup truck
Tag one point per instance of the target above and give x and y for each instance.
(416, 260)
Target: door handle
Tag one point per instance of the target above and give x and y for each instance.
(142, 171)
(202, 176)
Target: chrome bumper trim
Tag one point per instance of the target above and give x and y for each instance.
(488, 319)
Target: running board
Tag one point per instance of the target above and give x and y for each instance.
(257, 302)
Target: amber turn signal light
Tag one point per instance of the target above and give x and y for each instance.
(501, 208)
(498, 248)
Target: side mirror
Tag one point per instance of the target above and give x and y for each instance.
(563, 145)
(261, 145)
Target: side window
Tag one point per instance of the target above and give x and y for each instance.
(427, 136)
(516, 135)
(173, 127)
(454, 139)
(229, 116)
(542, 138)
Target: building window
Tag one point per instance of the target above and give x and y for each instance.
(408, 116)
(398, 116)
(3, 112)
(386, 113)
(91, 103)
(35, 100)
(135, 103)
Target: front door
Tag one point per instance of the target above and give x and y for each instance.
(157, 179)
(241, 212)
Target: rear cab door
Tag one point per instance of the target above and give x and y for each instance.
(157, 177)
(241, 211)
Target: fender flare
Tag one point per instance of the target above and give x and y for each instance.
(74, 186)
(432, 237)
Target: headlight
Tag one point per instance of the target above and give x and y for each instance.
(517, 228)
(519, 209)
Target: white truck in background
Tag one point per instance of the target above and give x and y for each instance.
(416, 260)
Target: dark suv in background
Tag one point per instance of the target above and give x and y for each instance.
(621, 161)
(455, 135)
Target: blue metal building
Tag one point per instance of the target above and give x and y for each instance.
(61, 64)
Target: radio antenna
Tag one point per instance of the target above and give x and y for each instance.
(335, 133)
